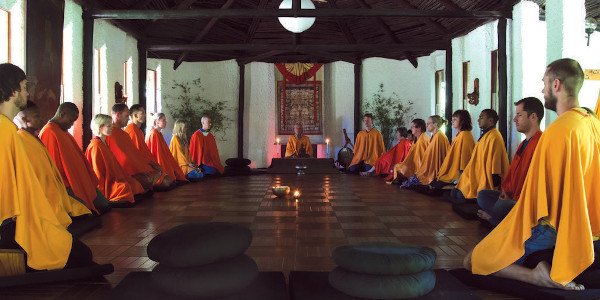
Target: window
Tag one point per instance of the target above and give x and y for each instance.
(99, 76)
(440, 93)
(465, 87)
(494, 76)
(125, 80)
(5, 39)
(152, 90)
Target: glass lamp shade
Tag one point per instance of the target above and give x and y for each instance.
(296, 25)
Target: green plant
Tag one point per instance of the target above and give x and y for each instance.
(191, 106)
(389, 112)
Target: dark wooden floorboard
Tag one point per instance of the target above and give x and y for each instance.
(289, 235)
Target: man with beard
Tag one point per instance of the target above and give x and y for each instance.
(27, 219)
(558, 206)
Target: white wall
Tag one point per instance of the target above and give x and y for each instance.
(259, 114)
(16, 8)
(400, 77)
(73, 66)
(588, 96)
(119, 47)
(339, 104)
(476, 47)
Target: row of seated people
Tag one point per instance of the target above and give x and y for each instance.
(51, 169)
(544, 199)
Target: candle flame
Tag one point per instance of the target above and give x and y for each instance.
(296, 193)
(327, 141)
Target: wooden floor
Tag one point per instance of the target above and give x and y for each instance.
(288, 235)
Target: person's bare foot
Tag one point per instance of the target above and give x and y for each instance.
(541, 277)
(365, 173)
(483, 215)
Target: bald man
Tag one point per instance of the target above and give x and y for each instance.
(298, 144)
(77, 174)
(203, 149)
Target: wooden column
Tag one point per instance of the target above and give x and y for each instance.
(142, 66)
(88, 77)
(240, 139)
(357, 96)
(502, 80)
(448, 80)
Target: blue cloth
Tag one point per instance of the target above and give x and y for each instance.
(360, 167)
(457, 194)
(542, 237)
(489, 202)
(411, 182)
(208, 170)
(195, 175)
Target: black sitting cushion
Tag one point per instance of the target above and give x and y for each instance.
(382, 286)
(198, 244)
(521, 289)
(83, 224)
(39, 277)
(467, 210)
(238, 162)
(315, 286)
(218, 279)
(382, 258)
(590, 278)
(138, 285)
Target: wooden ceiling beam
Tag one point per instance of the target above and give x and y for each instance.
(299, 47)
(331, 56)
(261, 56)
(140, 4)
(202, 34)
(255, 21)
(429, 21)
(449, 4)
(388, 31)
(343, 25)
(184, 4)
(170, 14)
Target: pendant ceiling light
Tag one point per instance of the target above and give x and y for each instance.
(296, 25)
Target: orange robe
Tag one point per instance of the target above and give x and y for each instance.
(489, 157)
(161, 153)
(137, 137)
(414, 158)
(368, 147)
(512, 183)
(203, 150)
(396, 155)
(598, 106)
(181, 154)
(457, 158)
(433, 158)
(113, 182)
(563, 192)
(129, 157)
(294, 145)
(44, 239)
(74, 168)
(63, 205)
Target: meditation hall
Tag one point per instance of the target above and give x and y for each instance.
(299, 149)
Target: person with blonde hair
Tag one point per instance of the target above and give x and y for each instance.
(180, 150)
(118, 187)
(160, 151)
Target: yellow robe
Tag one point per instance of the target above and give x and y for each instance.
(598, 106)
(63, 205)
(414, 158)
(433, 158)
(181, 155)
(45, 240)
(458, 157)
(489, 157)
(294, 145)
(564, 191)
(368, 147)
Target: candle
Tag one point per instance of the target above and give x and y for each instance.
(277, 140)
(327, 147)
(296, 193)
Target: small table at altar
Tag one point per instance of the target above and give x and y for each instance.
(313, 166)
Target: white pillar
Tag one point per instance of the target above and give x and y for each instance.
(565, 22)
(529, 59)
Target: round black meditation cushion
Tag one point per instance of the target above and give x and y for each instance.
(382, 286)
(219, 279)
(383, 258)
(238, 162)
(198, 244)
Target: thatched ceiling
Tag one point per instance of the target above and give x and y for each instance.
(331, 38)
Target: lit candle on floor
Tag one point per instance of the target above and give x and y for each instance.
(296, 193)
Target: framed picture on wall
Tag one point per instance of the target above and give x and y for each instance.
(299, 103)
